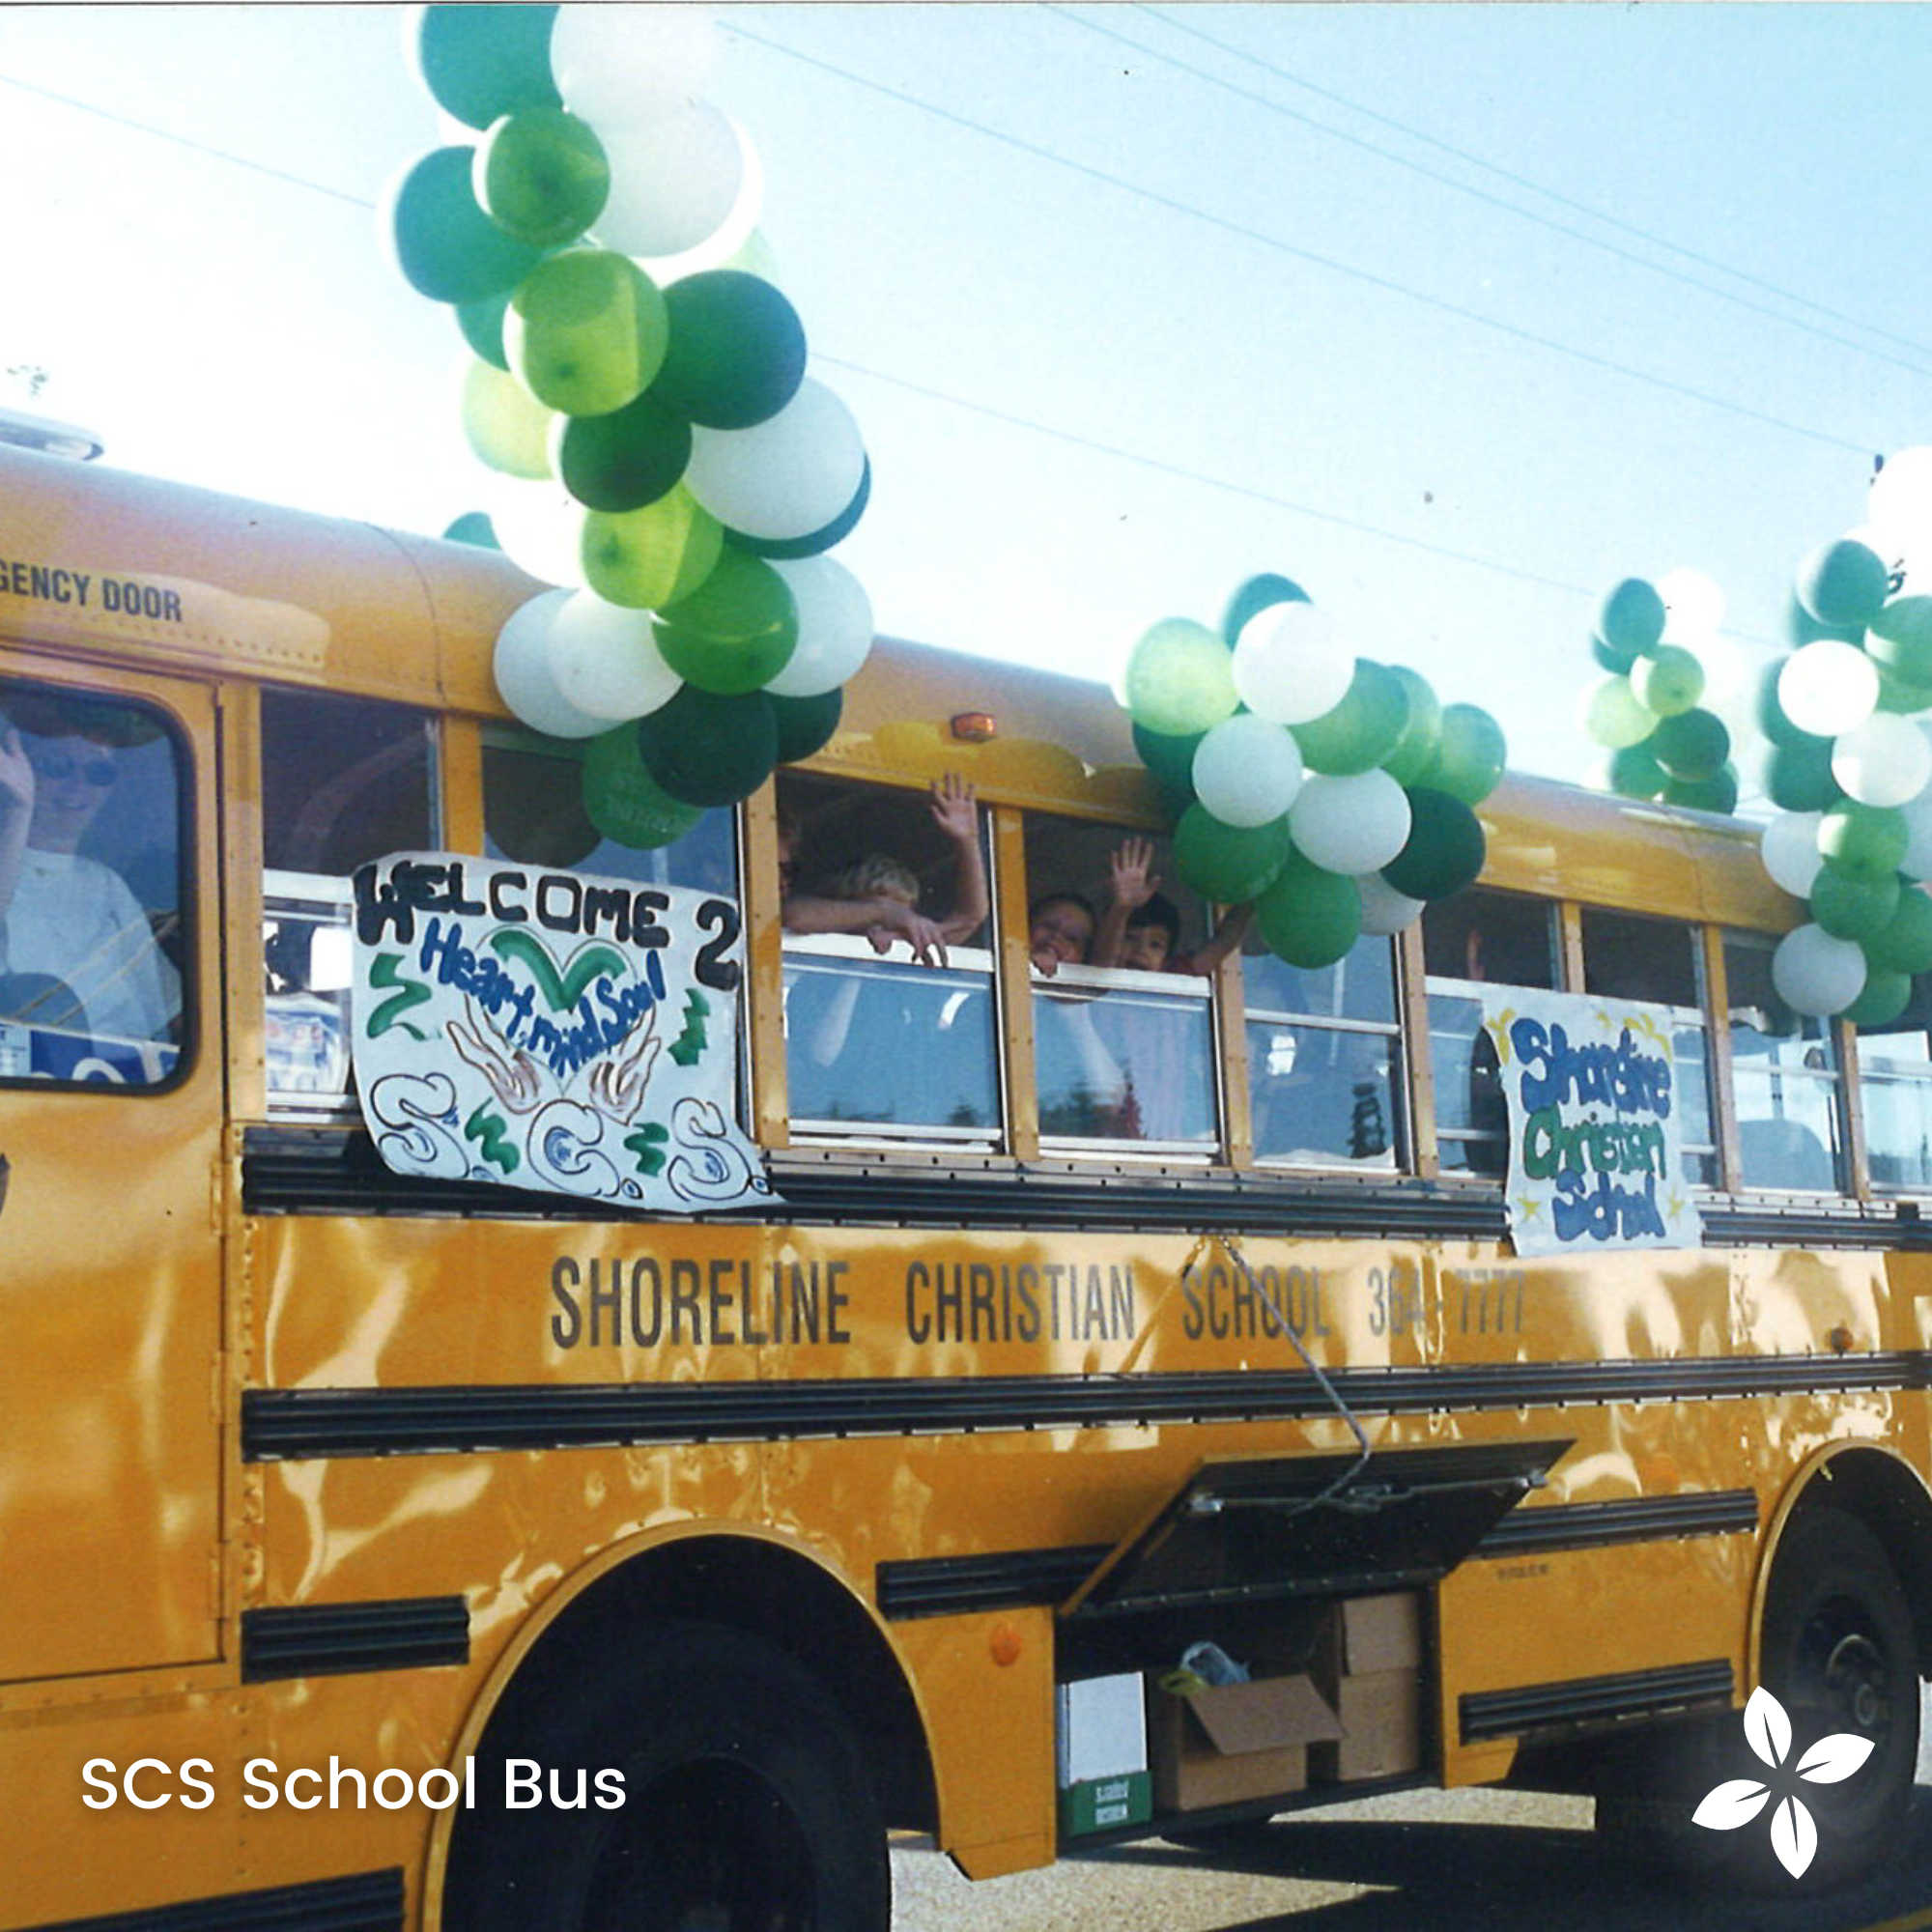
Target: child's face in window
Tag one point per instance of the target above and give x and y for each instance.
(1061, 931)
(1146, 948)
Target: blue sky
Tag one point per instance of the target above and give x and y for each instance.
(1456, 313)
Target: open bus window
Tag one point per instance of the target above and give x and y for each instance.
(344, 781)
(1323, 1058)
(91, 888)
(1633, 956)
(877, 1042)
(1785, 1079)
(1475, 939)
(1895, 1091)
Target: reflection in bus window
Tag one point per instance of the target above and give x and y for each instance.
(1322, 1058)
(1630, 957)
(91, 888)
(1895, 1087)
(1785, 1079)
(1478, 938)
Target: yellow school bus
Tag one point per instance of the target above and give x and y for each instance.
(1049, 1457)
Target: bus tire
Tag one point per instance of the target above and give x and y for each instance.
(747, 1806)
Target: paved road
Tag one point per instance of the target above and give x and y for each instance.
(1432, 1862)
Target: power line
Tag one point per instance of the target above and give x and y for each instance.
(1274, 243)
(1462, 188)
(1533, 187)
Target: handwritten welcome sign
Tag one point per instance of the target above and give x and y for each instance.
(551, 1031)
(1596, 1141)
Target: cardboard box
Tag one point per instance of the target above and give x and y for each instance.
(1232, 1742)
(1380, 1716)
(1377, 1633)
(1101, 1754)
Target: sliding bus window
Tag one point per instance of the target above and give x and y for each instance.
(1658, 961)
(344, 781)
(1784, 1080)
(94, 899)
(881, 1044)
(1895, 1091)
(1478, 939)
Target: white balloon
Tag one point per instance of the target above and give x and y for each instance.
(616, 65)
(1351, 825)
(524, 680)
(605, 660)
(1291, 663)
(1828, 688)
(1384, 910)
(784, 477)
(736, 243)
(1900, 501)
(1885, 761)
(1693, 608)
(1816, 974)
(835, 626)
(1247, 770)
(540, 527)
(1790, 852)
(675, 182)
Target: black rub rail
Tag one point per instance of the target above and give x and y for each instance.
(1595, 1703)
(368, 1902)
(332, 1639)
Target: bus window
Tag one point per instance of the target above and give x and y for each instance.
(1630, 957)
(1322, 1058)
(878, 1042)
(1478, 938)
(91, 888)
(1785, 1079)
(1895, 1091)
(344, 780)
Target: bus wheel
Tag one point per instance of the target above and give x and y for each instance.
(747, 1805)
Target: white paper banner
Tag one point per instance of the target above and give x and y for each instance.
(553, 1031)
(1596, 1132)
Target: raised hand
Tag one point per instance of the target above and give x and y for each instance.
(953, 809)
(1132, 882)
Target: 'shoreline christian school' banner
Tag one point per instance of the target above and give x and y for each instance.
(1595, 1126)
(553, 1031)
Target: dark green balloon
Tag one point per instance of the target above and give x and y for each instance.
(473, 527)
(445, 246)
(1445, 849)
(735, 632)
(807, 724)
(1361, 730)
(1228, 863)
(1886, 996)
(1308, 916)
(1905, 944)
(1635, 772)
(737, 349)
(1632, 616)
(1900, 639)
(482, 325)
(709, 750)
(624, 460)
(1258, 594)
(478, 63)
(1421, 737)
(1853, 905)
(1865, 840)
(1470, 757)
(1716, 793)
(1802, 628)
(1614, 656)
(623, 801)
(542, 175)
(1843, 582)
(1692, 744)
(1896, 696)
(1798, 777)
(1170, 760)
(835, 532)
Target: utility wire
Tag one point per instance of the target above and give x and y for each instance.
(1274, 243)
(1496, 201)
(1524, 182)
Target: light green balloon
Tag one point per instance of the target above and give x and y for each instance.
(1469, 759)
(1613, 715)
(1415, 749)
(1180, 679)
(647, 558)
(586, 331)
(506, 427)
(541, 175)
(1668, 681)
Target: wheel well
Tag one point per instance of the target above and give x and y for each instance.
(745, 1583)
(1884, 1495)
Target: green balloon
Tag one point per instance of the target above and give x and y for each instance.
(445, 246)
(1798, 777)
(1716, 793)
(1905, 944)
(1612, 657)
(647, 558)
(841, 526)
(1170, 760)
(1900, 639)
(623, 801)
(1445, 849)
(480, 62)
(1258, 594)
(1632, 616)
(1468, 762)
(473, 527)
(1843, 582)
(1896, 696)
(1692, 744)
(1363, 729)
(1867, 840)
(1228, 863)
(1852, 905)
(1635, 772)
(542, 175)
(1667, 681)
(585, 331)
(482, 324)
(1886, 996)
(805, 725)
(624, 460)
(1180, 679)
(1309, 916)
(709, 750)
(735, 632)
(737, 349)
(1421, 734)
(1802, 628)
